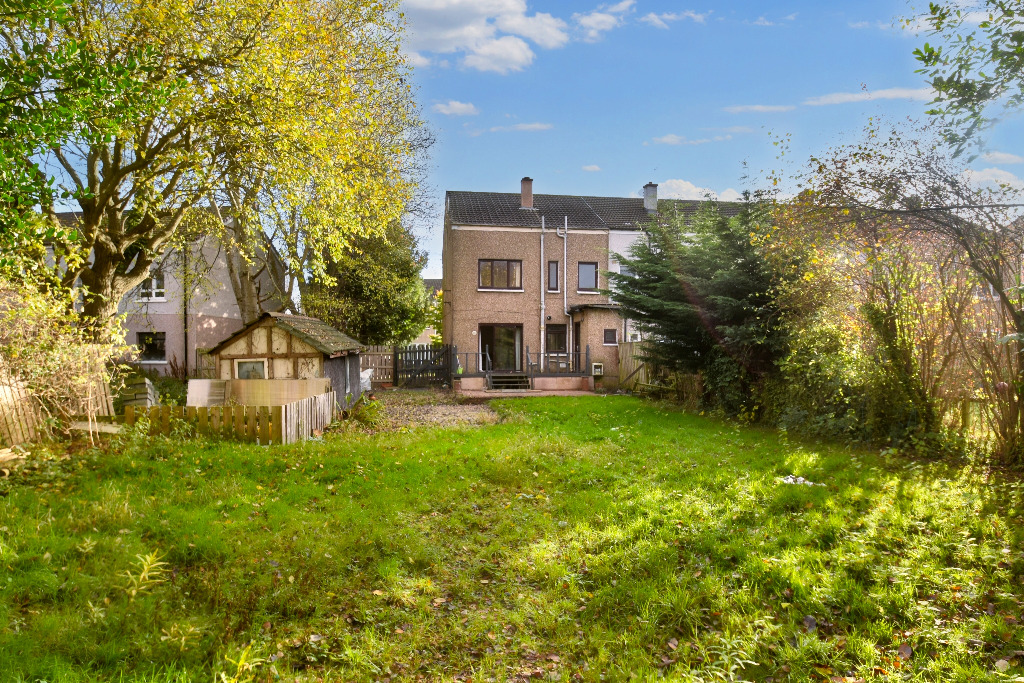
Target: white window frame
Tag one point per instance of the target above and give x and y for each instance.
(252, 360)
(148, 290)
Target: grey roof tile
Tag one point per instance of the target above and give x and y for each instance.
(583, 212)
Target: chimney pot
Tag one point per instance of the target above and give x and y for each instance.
(527, 193)
(651, 197)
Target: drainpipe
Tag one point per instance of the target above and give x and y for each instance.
(543, 267)
(186, 283)
(565, 283)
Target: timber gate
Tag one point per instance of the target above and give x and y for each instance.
(423, 366)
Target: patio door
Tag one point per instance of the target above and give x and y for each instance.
(504, 343)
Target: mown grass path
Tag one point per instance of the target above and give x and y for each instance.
(597, 538)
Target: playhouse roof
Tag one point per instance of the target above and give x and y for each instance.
(315, 332)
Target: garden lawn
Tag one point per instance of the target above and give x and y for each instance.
(596, 538)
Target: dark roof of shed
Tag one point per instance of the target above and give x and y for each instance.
(315, 332)
(69, 219)
(584, 212)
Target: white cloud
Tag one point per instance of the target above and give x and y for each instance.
(673, 139)
(867, 95)
(418, 61)
(678, 188)
(764, 21)
(662, 20)
(993, 176)
(592, 168)
(456, 108)
(881, 25)
(759, 108)
(543, 29)
(623, 6)
(596, 23)
(1002, 158)
(527, 127)
(502, 55)
(487, 35)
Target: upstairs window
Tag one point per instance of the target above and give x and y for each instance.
(552, 276)
(153, 286)
(152, 346)
(588, 277)
(500, 274)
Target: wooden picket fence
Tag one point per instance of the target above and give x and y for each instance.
(287, 423)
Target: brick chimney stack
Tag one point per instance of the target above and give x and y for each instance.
(527, 193)
(651, 197)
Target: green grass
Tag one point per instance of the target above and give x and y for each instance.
(597, 538)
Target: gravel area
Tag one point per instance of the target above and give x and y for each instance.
(412, 408)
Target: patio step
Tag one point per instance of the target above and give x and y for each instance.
(510, 382)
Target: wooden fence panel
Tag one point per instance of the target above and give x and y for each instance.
(633, 371)
(382, 360)
(289, 423)
(19, 416)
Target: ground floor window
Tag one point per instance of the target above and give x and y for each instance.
(503, 344)
(556, 339)
(611, 336)
(152, 346)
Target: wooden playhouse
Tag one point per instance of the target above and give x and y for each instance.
(278, 346)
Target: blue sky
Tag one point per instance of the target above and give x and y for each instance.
(592, 98)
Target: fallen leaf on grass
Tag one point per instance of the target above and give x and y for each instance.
(673, 644)
(378, 592)
(810, 623)
(905, 651)
(1002, 665)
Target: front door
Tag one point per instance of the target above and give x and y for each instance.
(504, 344)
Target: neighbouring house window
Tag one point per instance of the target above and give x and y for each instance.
(501, 274)
(152, 346)
(251, 369)
(552, 276)
(588, 277)
(611, 336)
(625, 270)
(153, 286)
(556, 339)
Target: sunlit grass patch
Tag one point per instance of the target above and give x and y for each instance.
(576, 538)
